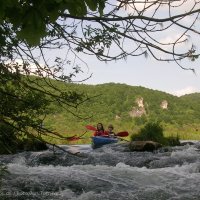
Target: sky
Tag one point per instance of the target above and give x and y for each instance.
(146, 72)
(140, 71)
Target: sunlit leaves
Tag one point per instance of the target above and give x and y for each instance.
(33, 28)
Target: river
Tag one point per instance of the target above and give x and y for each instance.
(110, 172)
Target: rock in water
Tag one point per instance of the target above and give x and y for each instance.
(144, 146)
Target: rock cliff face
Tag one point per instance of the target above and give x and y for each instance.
(140, 101)
(139, 110)
(164, 104)
(117, 117)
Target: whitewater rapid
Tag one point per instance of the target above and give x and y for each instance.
(110, 172)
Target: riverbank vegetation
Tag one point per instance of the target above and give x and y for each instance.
(107, 103)
(153, 131)
(112, 103)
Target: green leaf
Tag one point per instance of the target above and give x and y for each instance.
(91, 4)
(53, 16)
(2, 13)
(58, 1)
(33, 28)
(101, 6)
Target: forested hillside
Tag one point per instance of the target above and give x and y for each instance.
(113, 103)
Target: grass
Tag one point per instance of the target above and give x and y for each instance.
(185, 132)
(168, 133)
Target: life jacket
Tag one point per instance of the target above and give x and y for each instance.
(100, 133)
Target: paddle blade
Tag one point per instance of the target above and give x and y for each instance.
(89, 127)
(122, 134)
(72, 138)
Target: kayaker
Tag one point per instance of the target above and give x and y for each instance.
(110, 131)
(100, 130)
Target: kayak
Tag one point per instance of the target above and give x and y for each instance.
(98, 141)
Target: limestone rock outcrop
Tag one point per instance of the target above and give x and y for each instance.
(139, 110)
(164, 104)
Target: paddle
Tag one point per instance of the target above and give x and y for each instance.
(122, 134)
(117, 135)
(73, 138)
(91, 128)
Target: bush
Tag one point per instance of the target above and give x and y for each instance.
(151, 131)
(173, 141)
(8, 139)
(33, 144)
(10, 143)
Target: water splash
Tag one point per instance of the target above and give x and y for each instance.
(106, 173)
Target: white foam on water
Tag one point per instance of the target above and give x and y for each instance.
(122, 181)
(191, 151)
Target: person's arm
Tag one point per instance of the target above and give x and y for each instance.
(115, 135)
(106, 133)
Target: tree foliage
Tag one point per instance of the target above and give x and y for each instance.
(29, 19)
(152, 131)
(131, 27)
